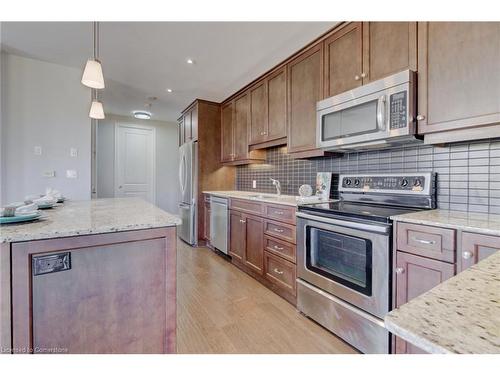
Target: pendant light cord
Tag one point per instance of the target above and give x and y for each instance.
(96, 40)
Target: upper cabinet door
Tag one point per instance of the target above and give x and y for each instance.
(241, 117)
(188, 135)
(181, 130)
(305, 88)
(458, 75)
(276, 92)
(388, 48)
(343, 59)
(227, 153)
(194, 123)
(258, 112)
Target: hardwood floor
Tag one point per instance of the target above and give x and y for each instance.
(220, 309)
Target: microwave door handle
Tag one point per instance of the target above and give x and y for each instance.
(381, 112)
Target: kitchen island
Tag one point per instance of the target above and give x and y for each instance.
(93, 276)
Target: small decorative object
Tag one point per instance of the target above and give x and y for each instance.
(323, 183)
(305, 190)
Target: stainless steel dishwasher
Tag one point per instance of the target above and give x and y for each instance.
(219, 223)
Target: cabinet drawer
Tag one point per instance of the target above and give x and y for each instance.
(281, 213)
(430, 242)
(247, 206)
(280, 272)
(280, 230)
(282, 248)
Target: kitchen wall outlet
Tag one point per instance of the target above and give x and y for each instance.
(254, 184)
(49, 174)
(37, 150)
(71, 173)
(73, 152)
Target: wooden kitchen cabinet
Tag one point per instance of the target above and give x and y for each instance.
(268, 111)
(416, 275)
(305, 89)
(458, 80)
(237, 235)
(188, 125)
(254, 249)
(388, 48)
(476, 247)
(235, 128)
(180, 131)
(206, 220)
(344, 59)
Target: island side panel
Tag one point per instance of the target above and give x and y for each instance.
(171, 287)
(113, 300)
(5, 319)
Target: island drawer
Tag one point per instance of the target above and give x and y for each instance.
(281, 213)
(431, 242)
(280, 272)
(280, 230)
(282, 248)
(247, 206)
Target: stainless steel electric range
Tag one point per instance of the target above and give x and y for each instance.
(344, 251)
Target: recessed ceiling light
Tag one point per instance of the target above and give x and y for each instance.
(169, 90)
(190, 61)
(143, 115)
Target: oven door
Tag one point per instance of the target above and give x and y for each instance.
(350, 260)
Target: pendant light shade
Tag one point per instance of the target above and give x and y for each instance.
(96, 110)
(92, 75)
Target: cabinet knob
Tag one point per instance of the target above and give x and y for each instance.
(420, 117)
(357, 78)
(467, 254)
(400, 270)
(363, 75)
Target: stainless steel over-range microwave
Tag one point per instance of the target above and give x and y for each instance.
(378, 114)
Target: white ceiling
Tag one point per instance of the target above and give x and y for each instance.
(142, 59)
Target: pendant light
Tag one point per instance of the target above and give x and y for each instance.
(92, 74)
(96, 109)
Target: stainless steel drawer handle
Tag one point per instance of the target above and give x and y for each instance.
(279, 212)
(400, 270)
(278, 271)
(467, 254)
(278, 230)
(278, 247)
(425, 242)
(242, 221)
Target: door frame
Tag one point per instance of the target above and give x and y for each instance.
(116, 162)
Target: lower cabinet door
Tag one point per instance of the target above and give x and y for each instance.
(280, 272)
(476, 247)
(414, 276)
(254, 254)
(236, 235)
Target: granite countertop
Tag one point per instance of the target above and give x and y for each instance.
(467, 221)
(75, 218)
(289, 200)
(461, 315)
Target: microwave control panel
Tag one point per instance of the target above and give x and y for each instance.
(398, 110)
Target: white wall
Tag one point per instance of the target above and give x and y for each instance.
(43, 104)
(167, 159)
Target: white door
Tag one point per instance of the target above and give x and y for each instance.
(135, 161)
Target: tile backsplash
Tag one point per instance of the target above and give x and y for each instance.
(468, 173)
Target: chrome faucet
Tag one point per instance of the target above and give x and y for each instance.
(277, 184)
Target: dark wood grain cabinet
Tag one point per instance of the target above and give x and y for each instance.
(476, 247)
(268, 111)
(227, 152)
(188, 125)
(305, 89)
(254, 251)
(458, 80)
(206, 221)
(237, 235)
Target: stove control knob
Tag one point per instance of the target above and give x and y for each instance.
(356, 182)
(348, 181)
(404, 182)
(417, 182)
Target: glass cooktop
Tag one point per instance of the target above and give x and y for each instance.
(373, 212)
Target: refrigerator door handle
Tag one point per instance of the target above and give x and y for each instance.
(182, 172)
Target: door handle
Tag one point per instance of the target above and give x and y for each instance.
(381, 112)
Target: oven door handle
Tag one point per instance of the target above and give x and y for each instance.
(344, 223)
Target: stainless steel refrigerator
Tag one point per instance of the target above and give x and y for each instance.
(188, 179)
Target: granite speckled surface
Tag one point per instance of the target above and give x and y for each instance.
(467, 221)
(461, 315)
(289, 200)
(90, 217)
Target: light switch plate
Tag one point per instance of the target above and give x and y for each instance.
(73, 152)
(71, 173)
(49, 174)
(37, 150)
